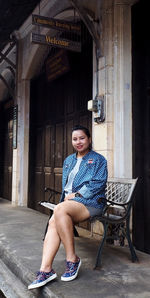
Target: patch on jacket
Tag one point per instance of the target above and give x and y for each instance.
(90, 160)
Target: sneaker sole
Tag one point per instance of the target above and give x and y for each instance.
(42, 283)
(71, 277)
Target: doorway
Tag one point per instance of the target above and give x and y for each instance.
(56, 106)
(141, 123)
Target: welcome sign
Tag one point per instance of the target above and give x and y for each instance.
(56, 42)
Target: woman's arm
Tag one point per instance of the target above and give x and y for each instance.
(97, 182)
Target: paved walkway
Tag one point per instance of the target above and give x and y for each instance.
(21, 233)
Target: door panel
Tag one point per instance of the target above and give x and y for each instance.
(38, 179)
(59, 157)
(6, 149)
(59, 146)
(49, 157)
(69, 125)
(141, 123)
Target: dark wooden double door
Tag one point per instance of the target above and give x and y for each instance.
(141, 123)
(6, 149)
(55, 108)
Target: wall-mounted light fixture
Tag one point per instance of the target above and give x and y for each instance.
(97, 105)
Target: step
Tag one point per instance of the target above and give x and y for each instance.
(11, 286)
(15, 277)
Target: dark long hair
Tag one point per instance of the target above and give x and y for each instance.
(85, 130)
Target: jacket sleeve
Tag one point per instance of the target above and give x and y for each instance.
(97, 183)
(63, 174)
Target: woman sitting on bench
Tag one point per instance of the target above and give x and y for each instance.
(83, 189)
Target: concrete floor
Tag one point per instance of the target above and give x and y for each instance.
(21, 234)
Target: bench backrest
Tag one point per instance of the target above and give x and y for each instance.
(120, 190)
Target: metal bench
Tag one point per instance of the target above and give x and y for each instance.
(116, 214)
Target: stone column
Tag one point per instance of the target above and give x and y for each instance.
(122, 90)
(21, 154)
(103, 132)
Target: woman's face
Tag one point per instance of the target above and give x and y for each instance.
(80, 142)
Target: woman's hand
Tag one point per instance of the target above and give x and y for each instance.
(70, 196)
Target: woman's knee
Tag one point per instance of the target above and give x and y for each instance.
(59, 210)
(51, 223)
(51, 227)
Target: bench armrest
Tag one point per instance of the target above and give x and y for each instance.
(111, 203)
(52, 190)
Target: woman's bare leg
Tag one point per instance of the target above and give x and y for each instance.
(61, 229)
(50, 247)
(66, 214)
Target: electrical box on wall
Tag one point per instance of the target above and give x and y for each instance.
(97, 105)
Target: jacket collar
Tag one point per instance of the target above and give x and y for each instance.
(84, 157)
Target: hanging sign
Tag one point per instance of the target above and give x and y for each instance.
(60, 25)
(56, 42)
(57, 65)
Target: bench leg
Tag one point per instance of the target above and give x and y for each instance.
(98, 259)
(76, 234)
(47, 225)
(132, 250)
(46, 228)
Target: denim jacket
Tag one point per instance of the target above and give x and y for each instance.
(90, 181)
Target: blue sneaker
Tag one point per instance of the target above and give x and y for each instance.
(71, 270)
(42, 278)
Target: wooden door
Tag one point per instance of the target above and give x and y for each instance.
(6, 149)
(141, 124)
(55, 108)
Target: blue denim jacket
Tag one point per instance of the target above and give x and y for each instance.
(90, 181)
